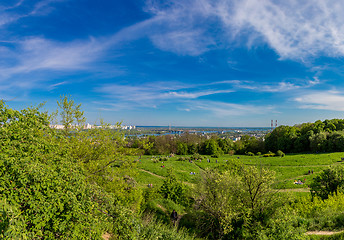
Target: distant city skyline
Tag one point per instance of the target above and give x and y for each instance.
(205, 63)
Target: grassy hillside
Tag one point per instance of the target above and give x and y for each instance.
(153, 169)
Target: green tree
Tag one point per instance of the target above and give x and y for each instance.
(318, 142)
(182, 148)
(211, 147)
(239, 201)
(174, 189)
(71, 114)
(329, 181)
(39, 178)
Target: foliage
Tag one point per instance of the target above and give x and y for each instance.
(210, 147)
(12, 225)
(153, 229)
(174, 190)
(102, 153)
(318, 214)
(320, 136)
(238, 201)
(269, 154)
(71, 114)
(280, 153)
(40, 179)
(329, 181)
(284, 225)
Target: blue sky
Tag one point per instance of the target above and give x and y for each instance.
(178, 62)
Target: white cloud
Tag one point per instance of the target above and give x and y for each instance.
(155, 94)
(283, 86)
(222, 109)
(326, 100)
(191, 43)
(294, 29)
(161, 90)
(41, 54)
(8, 16)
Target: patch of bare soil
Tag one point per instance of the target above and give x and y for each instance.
(322, 232)
(294, 190)
(106, 236)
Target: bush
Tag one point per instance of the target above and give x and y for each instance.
(196, 156)
(329, 181)
(153, 229)
(40, 179)
(250, 154)
(12, 224)
(181, 159)
(175, 190)
(280, 153)
(269, 154)
(163, 159)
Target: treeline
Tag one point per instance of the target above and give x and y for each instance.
(188, 144)
(321, 136)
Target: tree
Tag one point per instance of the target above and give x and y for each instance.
(211, 147)
(70, 113)
(174, 189)
(182, 148)
(329, 181)
(41, 182)
(237, 200)
(318, 142)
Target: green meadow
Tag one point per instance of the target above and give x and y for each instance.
(288, 169)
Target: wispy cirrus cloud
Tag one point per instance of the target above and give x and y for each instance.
(321, 100)
(152, 94)
(8, 14)
(158, 93)
(284, 86)
(294, 29)
(223, 109)
(39, 54)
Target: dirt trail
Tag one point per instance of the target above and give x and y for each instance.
(106, 236)
(294, 190)
(322, 232)
(158, 176)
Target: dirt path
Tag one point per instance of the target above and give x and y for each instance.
(294, 190)
(158, 176)
(322, 232)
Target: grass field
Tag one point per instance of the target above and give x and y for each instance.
(288, 169)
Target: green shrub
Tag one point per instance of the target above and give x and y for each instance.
(40, 179)
(329, 181)
(175, 190)
(250, 154)
(280, 153)
(12, 225)
(163, 159)
(269, 154)
(153, 229)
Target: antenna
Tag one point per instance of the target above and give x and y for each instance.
(272, 124)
